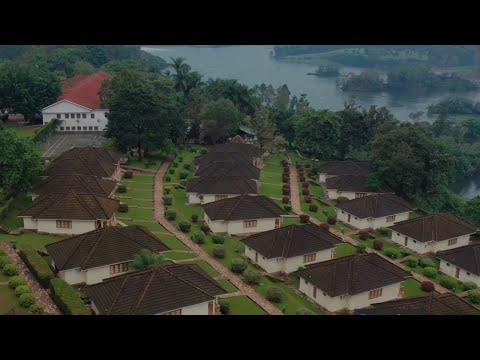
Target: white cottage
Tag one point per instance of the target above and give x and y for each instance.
(432, 233)
(204, 190)
(97, 255)
(352, 282)
(350, 187)
(345, 167)
(287, 248)
(462, 263)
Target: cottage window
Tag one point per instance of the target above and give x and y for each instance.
(343, 212)
(84, 116)
(324, 294)
(250, 224)
(414, 241)
(452, 242)
(356, 218)
(64, 224)
(220, 197)
(95, 128)
(59, 116)
(90, 128)
(309, 258)
(375, 293)
(390, 218)
(92, 116)
(118, 268)
(263, 257)
(174, 312)
(78, 116)
(72, 116)
(67, 116)
(448, 264)
(360, 195)
(468, 274)
(84, 128)
(315, 292)
(398, 234)
(67, 128)
(79, 128)
(61, 128)
(249, 248)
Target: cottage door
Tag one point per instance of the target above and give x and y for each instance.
(256, 257)
(211, 308)
(277, 223)
(348, 219)
(315, 292)
(406, 241)
(457, 272)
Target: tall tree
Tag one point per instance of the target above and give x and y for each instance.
(264, 126)
(220, 119)
(241, 95)
(282, 100)
(442, 125)
(182, 70)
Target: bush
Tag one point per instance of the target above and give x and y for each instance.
(286, 186)
(167, 199)
(303, 311)
(171, 214)
(183, 182)
(67, 298)
(4, 260)
(122, 189)
(37, 265)
(430, 272)
(428, 286)
(36, 309)
(128, 174)
(16, 281)
(204, 227)
(2, 252)
(378, 245)
(325, 226)
(363, 234)
(308, 199)
(224, 306)
(285, 179)
(26, 300)
(218, 239)
(199, 237)
(187, 166)
(313, 207)
(405, 252)
(474, 296)
(180, 159)
(275, 294)
(252, 277)
(22, 289)
(285, 199)
(301, 178)
(194, 218)
(305, 184)
(123, 208)
(175, 164)
(168, 178)
(448, 282)
(427, 263)
(361, 248)
(203, 151)
(332, 220)
(469, 285)
(219, 251)
(412, 261)
(305, 192)
(184, 174)
(185, 226)
(10, 270)
(238, 266)
(171, 171)
(167, 189)
(304, 218)
(342, 199)
(286, 191)
(287, 207)
(393, 253)
(385, 231)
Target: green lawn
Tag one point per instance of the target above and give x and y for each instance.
(136, 202)
(172, 242)
(36, 240)
(271, 191)
(150, 159)
(437, 279)
(271, 178)
(315, 190)
(208, 269)
(387, 244)
(152, 226)
(415, 214)
(275, 158)
(136, 213)
(12, 221)
(25, 131)
(139, 186)
(179, 256)
(8, 300)
(275, 169)
(412, 287)
(243, 305)
(291, 221)
(140, 178)
(227, 285)
(139, 194)
(345, 249)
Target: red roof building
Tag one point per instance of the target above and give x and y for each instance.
(85, 90)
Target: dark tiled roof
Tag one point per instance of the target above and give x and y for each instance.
(465, 257)
(247, 149)
(102, 247)
(376, 205)
(94, 167)
(210, 157)
(292, 240)
(153, 291)
(229, 168)
(80, 184)
(434, 227)
(352, 275)
(243, 207)
(346, 167)
(222, 185)
(430, 304)
(90, 152)
(351, 183)
(71, 206)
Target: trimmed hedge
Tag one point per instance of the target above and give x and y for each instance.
(325, 226)
(287, 207)
(313, 207)
(37, 265)
(122, 189)
(469, 285)
(252, 277)
(4, 260)
(308, 199)
(430, 272)
(199, 237)
(128, 174)
(332, 220)
(16, 281)
(285, 200)
(238, 266)
(304, 218)
(218, 239)
(67, 298)
(46, 131)
(123, 208)
(219, 251)
(171, 214)
(167, 200)
(378, 245)
(26, 300)
(22, 289)
(10, 270)
(185, 226)
(427, 286)
(363, 234)
(224, 306)
(36, 309)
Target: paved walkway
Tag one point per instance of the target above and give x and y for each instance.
(41, 295)
(244, 289)
(294, 193)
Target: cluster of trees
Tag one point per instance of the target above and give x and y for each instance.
(455, 105)
(326, 71)
(368, 80)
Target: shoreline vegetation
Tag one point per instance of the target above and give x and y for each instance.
(326, 71)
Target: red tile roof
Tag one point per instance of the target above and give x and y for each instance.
(84, 89)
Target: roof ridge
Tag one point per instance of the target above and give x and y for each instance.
(93, 249)
(262, 205)
(239, 200)
(395, 198)
(186, 281)
(82, 236)
(120, 230)
(382, 267)
(306, 229)
(455, 219)
(114, 302)
(147, 286)
(85, 205)
(474, 248)
(288, 241)
(351, 273)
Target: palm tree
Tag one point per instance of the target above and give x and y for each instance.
(182, 70)
(145, 260)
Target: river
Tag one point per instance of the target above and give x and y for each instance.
(253, 64)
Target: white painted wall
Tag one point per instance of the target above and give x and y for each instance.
(72, 276)
(359, 301)
(197, 309)
(50, 226)
(193, 198)
(335, 194)
(236, 227)
(422, 248)
(89, 276)
(463, 276)
(66, 107)
(374, 223)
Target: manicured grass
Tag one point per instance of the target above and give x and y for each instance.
(8, 300)
(136, 202)
(146, 194)
(271, 178)
(36, 240)
(25, 131)
(156, 158)
(415, 214)
(387, 244)
(3, 277)
(243, 305)
(208, 269)
(12, 221)
(234, 247)
(275, 158)
(152, 226)
(179, 256)
(172, 242)
(139, 186)
(273, 169)
(227, 285)
(136, 213)
(140, 178)
(271, 191)
(345, 249)
(412, 287)
(291, 221)
(315, 190)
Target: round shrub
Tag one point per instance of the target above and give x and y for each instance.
(10, 270)
(187, 166)
(252, 277)
(285, 199)
(325, 226)
(430, 272)
(171, 214)
(122, 189)
(224, 306)
(36, 309)
(303, 311)
(363, 234)
(185, 226)
(167, 189)
(238, 266)
(469, 285)
(304, 218)
(305, 192)
(199, 237)
(361, 248)
(474, 296)
(168, 178)
(203, 151)
(204, 227)
(428, 286)
(180, 159)
(194, 218)
(22, 289)
(427, 263)
(286, 191)
(123, 208)
(305, 184)
(184, 174)
(218, 239)
(183, 182)
(275, 295)
(384, 231)
(313, 207)
(167, 200)
(285, 179)
(286, 186)
(171, 171)
(175, 164)
(448, 282)
(405, 252)
(26, 300)
(16, 281)
(412, 261)
(308, 199)
(4, 260)
(393, 253)
(342, 199)
(128, 174)
(219, 251)
(287, 207)
(307, 166)
(378, 245)
(332, 220)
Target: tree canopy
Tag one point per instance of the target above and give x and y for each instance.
(220, 119)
